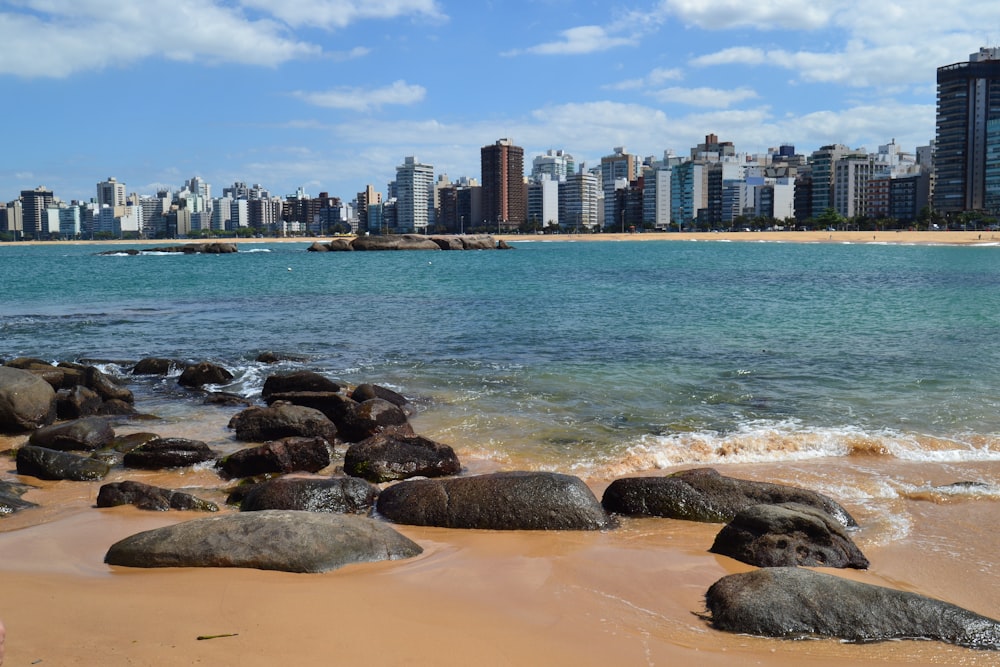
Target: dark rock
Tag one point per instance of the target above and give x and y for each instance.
(793, 603)
(343, 495)
(503, 245)
(168, 453)
(155, 366)
(270, 540)
(499, 501)
(27, 402)
(197, 375)
(86, 433)
(52, 464)
(106, 388)
(227, 399)
(10, 498)
(702, 494)
(788, 535)
(147, 497)
(77, 402)
(370, 418)
(340, 245)
(26, 363)
(316, 246)
(293, 454)
(387, 457)
(126, 443)
(115, 406)
(477, 242)
(269, 357)
(297, 381)
(394, 242)
(365, 392)
(281, 420)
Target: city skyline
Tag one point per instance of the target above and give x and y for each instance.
(331, 95)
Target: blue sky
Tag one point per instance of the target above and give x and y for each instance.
(331, 95)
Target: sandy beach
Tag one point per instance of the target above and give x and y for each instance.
(903, 237)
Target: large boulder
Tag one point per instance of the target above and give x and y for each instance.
(10, 497)
(788, 535)
(376, 415)
(342, 495)
(498, 501)
(394, 242)
(87, 433)
(367, 391)
(205, 372)
(77, 401)
(163, 453)
(297, 381)
(702, 494)
(294, 454)
(281, 420)
(147, 497)
(27, 401)
(52, 464)
(269, 540)
(387, 457)
(155, 366)
(794, 603)
(105, 386)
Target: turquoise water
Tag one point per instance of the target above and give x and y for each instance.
(566, 354)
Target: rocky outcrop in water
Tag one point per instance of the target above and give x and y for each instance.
(408, 242)
(10, 498)
(202, 373)
(268, 540)
(293, 454)
(281, 420)
(788, 535)
(185, 248)
(499, 501)
(387, 457)
(702, 494)
(794, 603)
(164, 453)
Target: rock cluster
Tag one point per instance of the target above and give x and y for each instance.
(411, 242)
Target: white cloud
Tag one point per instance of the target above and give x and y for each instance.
(341, 13)
(360, 99)
(654, 78)
(56, 38)
(762, 14)
(719, 98)
(577, 41)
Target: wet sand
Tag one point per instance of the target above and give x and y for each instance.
(625, 597)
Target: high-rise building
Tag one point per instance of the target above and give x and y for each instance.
(34, 204)
(505, 198)
(617, 171)
(414, 195)
(556, 164)
(111, 193)
(966, 150)
(822, 164)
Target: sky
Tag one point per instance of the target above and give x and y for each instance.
(332, 95)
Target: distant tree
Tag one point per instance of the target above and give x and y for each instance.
(830, 219)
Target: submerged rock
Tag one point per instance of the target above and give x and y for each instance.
(10, 498)
(788, 535)
(343, 495)
(269, 540)
(388, 457)
(168, 453)
(702, 494)
(147, 497)
(52, 464)
(793, 603)
(499, 501)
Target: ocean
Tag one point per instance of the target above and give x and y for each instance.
(864, 371)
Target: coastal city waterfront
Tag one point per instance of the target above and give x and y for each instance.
(852, 368)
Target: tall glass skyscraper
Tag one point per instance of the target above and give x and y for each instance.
(966, 152)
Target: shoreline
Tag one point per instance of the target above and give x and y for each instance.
(890, 237)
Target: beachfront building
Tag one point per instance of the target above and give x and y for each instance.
(543, 201)
(968, 99)
(617, 171)
(656, 195)
(414, 195)
(688, 193)
(111, 193)
(505, 197)
(850, 178)
(69, 222)
(556, 164)
(367, 200)
(822, 164)
(579, 202)
(34, 203)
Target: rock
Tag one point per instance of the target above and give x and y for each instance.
(52, 464)
(793, 603)
(498, 501)
(155, 366)
(114, 406)
(394, 242)
(269, 357)
(147, 497)
(503, 245)
(10, 498)
(269, 540)
(105, 387)
(87, 433)
(227, 399)
(293, 454)
(316, 246)
(344, 495)
(27, 402)
(297, 381)
(370, 418)
(197, 375)
(126, 443)
(332, 404)
(477, 242)
(788, 535)
(364, 392)
(388, 457)
(281, 420)
(168, 453)
(702, 494)
(77, 402)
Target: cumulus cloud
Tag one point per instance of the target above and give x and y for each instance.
(342, 13)
(362, 99)
(719, 98)
(577, 41)
(763, 14)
